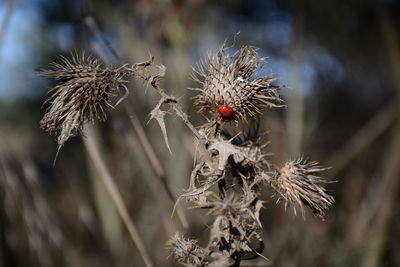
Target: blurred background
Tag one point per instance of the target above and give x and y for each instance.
(339, 62)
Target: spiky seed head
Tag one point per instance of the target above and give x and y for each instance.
(232, 82)
(83, 90)
(297, 184)
(185, 250)
(229, 205)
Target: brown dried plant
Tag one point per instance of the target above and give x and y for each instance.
(231, 170)
(186, 250)
(234, 170)
(84, 88)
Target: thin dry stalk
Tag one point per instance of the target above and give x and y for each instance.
(26, 215)
(153, 162)
(387, 193)
(295, 119)
(360, 141)
(389, 188)
(138, 130)
(94, 153)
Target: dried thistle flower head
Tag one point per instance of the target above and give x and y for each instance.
(186, 251)
(229, 205)
(297, 184)
(231, 87)
(83, 91)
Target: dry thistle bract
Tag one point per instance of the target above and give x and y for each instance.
(230, 85)
(83, 90)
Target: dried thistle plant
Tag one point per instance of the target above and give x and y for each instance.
(230, 85)
(186, 250)
(297, 184)
(229, 175)
(234, 170)
(84, 88)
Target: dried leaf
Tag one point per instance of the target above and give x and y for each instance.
(159, 115)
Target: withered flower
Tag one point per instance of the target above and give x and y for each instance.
(297, 184)
(231, 87)
(186, 251)
(230, 205)
(83, 90)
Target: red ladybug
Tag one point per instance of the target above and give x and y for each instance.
(225, 112)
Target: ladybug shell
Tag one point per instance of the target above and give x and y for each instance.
(225, 112)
